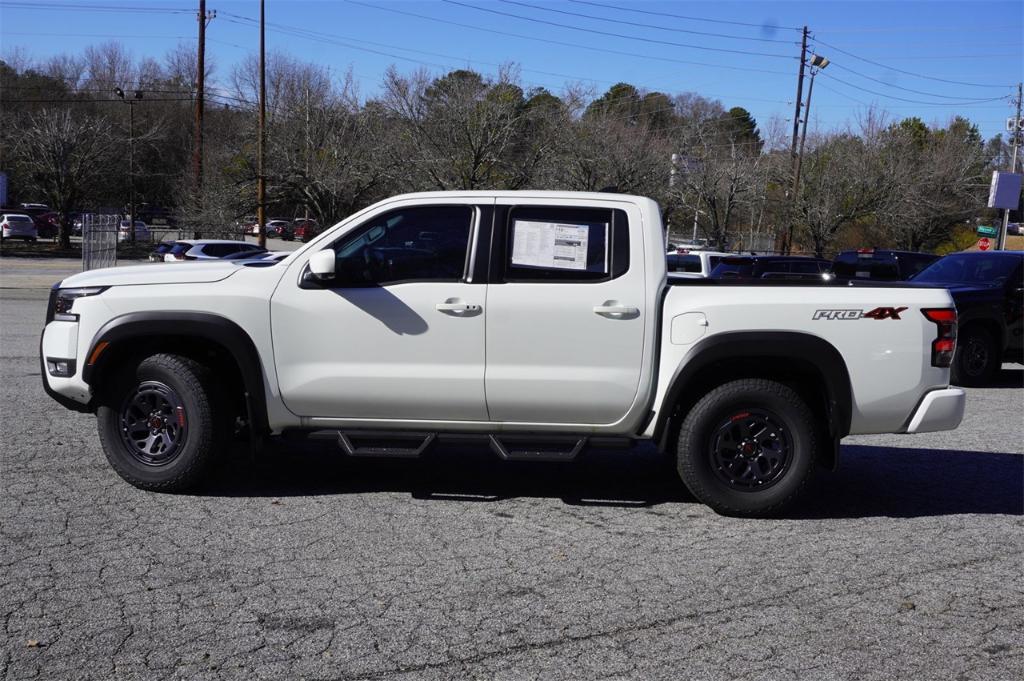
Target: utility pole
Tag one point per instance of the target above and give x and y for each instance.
(131, 166)
(308, 145)
(817, 63)
(788, 242)
(1001, 245)
(261, 189)
(197, 146)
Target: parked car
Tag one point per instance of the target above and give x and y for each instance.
(246, 254)
(988, 289)
(880, 264)
(124, 231)
(792, 267)
(281, 229)
(162, 249)
(687, 263)
(47, 224)
(207, 249)
(304, 230)
(18, 226)
(540, 333)
(1013, 229)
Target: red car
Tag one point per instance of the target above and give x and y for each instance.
(305, 230)
(47, 224)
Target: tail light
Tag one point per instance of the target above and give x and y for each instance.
(945, 341)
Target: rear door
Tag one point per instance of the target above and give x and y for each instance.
(566, 312)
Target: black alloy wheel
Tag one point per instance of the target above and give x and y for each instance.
(750, 450)
(154, 426)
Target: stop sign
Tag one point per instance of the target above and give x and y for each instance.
(984, 244)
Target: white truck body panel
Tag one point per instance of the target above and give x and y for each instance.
(536, 357)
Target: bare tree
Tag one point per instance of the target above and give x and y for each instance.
(937, 178)
(842, 183)
(458, 131)
(64, 157)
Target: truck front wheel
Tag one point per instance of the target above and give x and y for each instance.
(159, 422)
(747, 447)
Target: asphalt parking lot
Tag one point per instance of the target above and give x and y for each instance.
(905, 563)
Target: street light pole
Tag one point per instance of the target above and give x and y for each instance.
(131, 157)
(817, 63)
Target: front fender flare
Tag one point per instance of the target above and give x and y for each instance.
(207, 326)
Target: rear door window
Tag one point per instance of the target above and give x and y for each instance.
(563, 244)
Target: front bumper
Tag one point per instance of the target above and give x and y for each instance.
(939, 410)
(59, 341)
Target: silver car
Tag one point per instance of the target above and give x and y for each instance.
(18, 226)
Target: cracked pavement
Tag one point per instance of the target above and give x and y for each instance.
(904, 563)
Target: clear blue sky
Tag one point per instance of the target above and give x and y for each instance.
(916, 47)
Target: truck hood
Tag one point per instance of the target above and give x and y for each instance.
(156, 273)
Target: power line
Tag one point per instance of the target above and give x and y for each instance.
(640, 25)
(912, 101)
(549, 41)
(9, 4)
(892, 85)
(99, 35)
(680, 16)
(329, 38)
(908, 73)
(594, 31)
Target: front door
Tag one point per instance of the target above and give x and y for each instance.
(399, 332)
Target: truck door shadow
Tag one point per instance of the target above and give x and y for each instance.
(871, 481)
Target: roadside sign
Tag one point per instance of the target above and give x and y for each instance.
(985, 230)
(984, 244)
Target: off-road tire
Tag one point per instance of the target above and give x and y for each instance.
(700, 467)
(204, 434)
(976, 359)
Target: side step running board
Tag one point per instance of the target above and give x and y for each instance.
(538, 447)
(400, 445)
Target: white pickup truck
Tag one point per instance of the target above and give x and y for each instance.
(542, 323)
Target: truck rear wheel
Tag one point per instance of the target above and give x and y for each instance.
(159, 422)
(747, 447)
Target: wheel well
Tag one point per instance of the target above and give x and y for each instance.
(205, 351)
(802, 376)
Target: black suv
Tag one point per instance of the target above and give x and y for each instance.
(794, 267)
(988, 289)
(880, 264)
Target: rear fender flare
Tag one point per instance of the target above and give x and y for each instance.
(805, 349)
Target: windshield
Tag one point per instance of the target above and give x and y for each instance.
(987, 270)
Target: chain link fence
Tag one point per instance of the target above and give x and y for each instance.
(99, 241)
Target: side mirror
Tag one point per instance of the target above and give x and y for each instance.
(321, 265)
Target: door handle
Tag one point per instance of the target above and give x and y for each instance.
(615, 309)
(456, 307)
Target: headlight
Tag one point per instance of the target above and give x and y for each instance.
(64, 298)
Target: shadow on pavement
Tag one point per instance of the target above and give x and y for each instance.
(871, 481)
(1007, 378)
